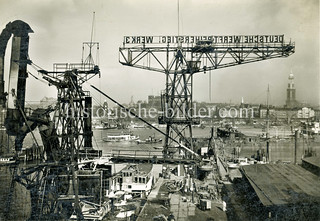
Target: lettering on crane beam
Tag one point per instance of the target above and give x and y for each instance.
(231, 39)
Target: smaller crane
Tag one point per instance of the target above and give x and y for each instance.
(63, 137)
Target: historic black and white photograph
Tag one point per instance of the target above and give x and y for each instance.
(159, 110)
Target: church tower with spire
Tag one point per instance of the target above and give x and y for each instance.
(291, 93)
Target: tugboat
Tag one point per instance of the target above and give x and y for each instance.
(149, 140)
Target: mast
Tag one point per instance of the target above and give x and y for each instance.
(268, 125)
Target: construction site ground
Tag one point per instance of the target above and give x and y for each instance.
(156, 208)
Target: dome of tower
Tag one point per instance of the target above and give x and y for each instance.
(291, 76)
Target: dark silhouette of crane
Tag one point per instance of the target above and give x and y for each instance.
(63, 136)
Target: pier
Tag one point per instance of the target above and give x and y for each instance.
(143, 156)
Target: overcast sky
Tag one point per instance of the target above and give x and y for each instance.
(60, 27)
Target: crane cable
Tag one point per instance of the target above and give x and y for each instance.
(146, 122)
(26, 121)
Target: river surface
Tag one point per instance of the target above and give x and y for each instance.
(281, 149)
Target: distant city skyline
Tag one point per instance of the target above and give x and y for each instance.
(295, 103)
(60, 27)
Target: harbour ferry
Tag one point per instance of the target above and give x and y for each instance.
(120, 138)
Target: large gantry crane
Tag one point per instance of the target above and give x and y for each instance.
(180, 57)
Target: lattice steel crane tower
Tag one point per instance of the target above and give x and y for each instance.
(180, 57)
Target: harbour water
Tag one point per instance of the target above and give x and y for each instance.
(281, 149)
(282, 144)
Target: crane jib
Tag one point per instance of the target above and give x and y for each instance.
(230, 39)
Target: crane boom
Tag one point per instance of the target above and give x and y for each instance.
(157, 54)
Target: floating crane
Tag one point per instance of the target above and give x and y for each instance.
(180, 57)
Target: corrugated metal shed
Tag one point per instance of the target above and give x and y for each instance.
(280, 184)
(313, 160)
